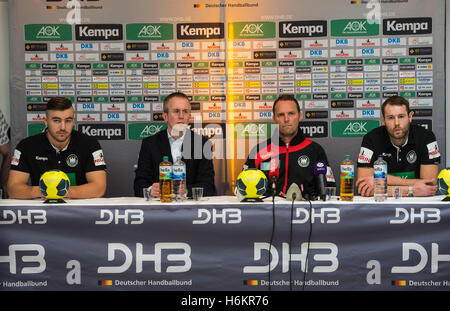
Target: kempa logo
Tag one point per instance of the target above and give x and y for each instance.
(303, 29)
(314, 129)
(210, 130)
(99, 32)
(406, 26)
(200, 31)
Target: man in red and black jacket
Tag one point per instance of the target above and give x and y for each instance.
(292, 157)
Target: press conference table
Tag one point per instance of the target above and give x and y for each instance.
(221, 244)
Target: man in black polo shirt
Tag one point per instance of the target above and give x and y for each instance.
(62, 148)
(411, 152)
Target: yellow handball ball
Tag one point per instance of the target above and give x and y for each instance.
(252, 183)
(54, 184)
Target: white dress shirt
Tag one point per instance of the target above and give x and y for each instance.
(175, 145)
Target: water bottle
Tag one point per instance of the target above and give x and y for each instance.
(380, 179)
(347, 179)
(165, 181)
(179, 180)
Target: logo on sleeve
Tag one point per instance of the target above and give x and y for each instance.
(433, 150)
(365, 155)
(98, 157)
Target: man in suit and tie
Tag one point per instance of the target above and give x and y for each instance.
(177, 141)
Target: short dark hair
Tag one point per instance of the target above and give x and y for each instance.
(395, 101)
(58, 103)
(287, 97)
(169, 97)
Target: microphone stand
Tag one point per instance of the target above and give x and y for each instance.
(273, 183)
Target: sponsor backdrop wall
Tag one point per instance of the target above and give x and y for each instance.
(341, 59)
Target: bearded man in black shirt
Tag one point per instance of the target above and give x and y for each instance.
(58, 147)
(411, 152)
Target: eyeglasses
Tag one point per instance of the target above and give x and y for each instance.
(178, 111)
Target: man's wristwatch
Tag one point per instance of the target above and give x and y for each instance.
(410, 191)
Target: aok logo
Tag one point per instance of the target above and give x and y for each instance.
(356, 127)
(352, 128)
(254, 130)
(141, 131)
(252, 29)
(242, 30)
(48, 32)
(329, 256)
(152, 129)
(150, 31)
(179, 253)
(37, 260)
(355, 27)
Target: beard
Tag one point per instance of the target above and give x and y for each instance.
(399, 133)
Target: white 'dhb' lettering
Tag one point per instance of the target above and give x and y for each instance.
(228, 216)
(38, 258)
(301, 257)
(424, 215)
(435, 258)
(329, 215)
(36, 217)
(129, 216)
(184, 257)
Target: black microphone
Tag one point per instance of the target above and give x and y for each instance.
(320, 170)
